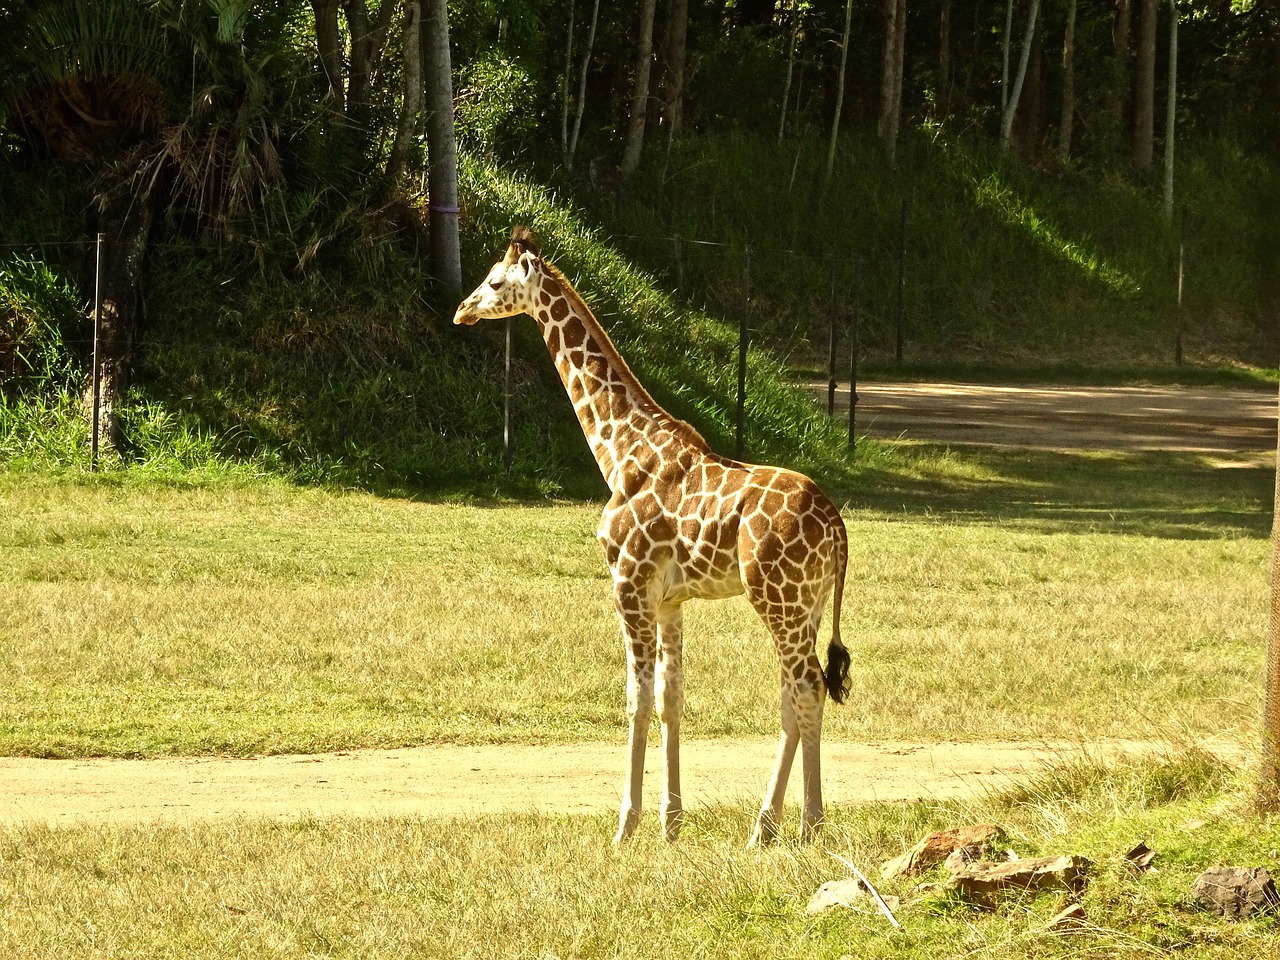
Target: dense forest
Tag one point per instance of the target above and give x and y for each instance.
(292, 194)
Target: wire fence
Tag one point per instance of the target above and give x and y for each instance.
(845, 313)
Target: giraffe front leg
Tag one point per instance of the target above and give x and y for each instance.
(641, 654)
(670, 702)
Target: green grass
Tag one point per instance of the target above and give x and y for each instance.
(553, 886)
(1008, 266)
(248, 617)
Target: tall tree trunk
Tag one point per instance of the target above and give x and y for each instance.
(1006, 44)
(639, 93)
(1273, 85)
(329, 42)
(791, 66)
(895, 17)
(1029, 121)
(944, 59)
(581, 104)
(125, 220)
(565, 81)
(677, 37)
(1011, 106)
(1144, 87)
(368, 41)
(442, 150)
(899, 61)
(411, 103)
(835, 122)
(1066, 120)
(1121, 83)
(1171, 111)
(360, 50)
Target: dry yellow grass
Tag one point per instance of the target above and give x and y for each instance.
(140, 620)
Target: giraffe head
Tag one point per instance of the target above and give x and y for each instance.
(511, 286)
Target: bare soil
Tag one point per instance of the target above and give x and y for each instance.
(1205, 419)
(459, 781)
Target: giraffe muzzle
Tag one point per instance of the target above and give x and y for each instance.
(464, 317)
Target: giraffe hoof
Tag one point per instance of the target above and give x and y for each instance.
(809, 830)
(765, 833)
(626, 825)
(672, 821)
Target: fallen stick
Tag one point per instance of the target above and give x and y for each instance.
(875, 894)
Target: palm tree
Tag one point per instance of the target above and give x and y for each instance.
(156, 102)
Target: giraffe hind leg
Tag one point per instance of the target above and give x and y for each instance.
(669, 697)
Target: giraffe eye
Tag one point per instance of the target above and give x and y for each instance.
(495, 284)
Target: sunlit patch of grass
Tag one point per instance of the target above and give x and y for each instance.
(253, 617)
(554, 886)
(991, 193)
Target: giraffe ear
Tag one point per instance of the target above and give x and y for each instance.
(526, 263)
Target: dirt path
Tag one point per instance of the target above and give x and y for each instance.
(1076, 418)
(462, 781)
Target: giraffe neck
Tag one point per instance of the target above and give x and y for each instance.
(624, 426)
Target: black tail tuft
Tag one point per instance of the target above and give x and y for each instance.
(837, 672)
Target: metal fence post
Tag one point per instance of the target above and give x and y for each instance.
(506, 402)
(675, 242)
(97, 371)
(739, 442)
(855, 334)
(831, 338)
(902, 282)
(1182, 261)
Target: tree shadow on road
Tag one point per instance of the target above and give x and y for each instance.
(1190, 495)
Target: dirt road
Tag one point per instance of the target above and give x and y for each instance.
(1080, 418)
(462, 781)
(580, 778)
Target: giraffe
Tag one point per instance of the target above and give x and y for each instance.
(684, 522)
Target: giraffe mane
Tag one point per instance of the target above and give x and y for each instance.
(523, 239)
(579, 304)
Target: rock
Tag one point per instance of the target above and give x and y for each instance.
(842, 893)
(1236, 892)
(962, 855)
(936, 847)
(982, 882)
(1139, 858)
(1072, 918)
(836, 893)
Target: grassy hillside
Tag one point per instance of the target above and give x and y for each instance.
(1007, 266)
(315, 346)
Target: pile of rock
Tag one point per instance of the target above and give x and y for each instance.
(982, 869)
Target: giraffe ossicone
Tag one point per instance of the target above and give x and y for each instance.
(684, 522)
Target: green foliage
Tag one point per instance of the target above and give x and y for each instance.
(38, 315)
(493, 102)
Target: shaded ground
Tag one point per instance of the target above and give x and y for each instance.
(1076, 418)
(455, 780)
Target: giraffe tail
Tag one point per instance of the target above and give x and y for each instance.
(836, 674)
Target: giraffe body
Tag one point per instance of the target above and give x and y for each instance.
(684, 522)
